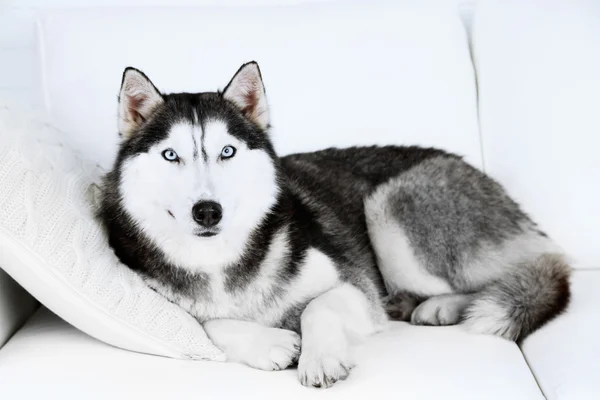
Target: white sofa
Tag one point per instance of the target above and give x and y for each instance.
(513, 85)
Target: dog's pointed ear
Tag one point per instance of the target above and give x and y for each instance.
(247, 92)
(138, 98)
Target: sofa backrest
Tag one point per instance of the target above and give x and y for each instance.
(538, 68)
(339, 74)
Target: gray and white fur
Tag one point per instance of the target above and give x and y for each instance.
(296, 258)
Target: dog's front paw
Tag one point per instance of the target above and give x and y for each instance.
(323, 370)
(274, 349)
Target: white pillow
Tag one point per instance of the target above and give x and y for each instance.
(51, 243)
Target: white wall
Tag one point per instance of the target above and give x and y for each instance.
(19, 73)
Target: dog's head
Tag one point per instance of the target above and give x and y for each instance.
(195, 173)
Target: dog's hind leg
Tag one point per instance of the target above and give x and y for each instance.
(406, 276)
(445, 309)
(445, 230)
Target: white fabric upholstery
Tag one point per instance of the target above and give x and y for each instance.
(565, 355)
(52, 244)
(50, 359)
(336, 73)
(538, 66)
(16, 305)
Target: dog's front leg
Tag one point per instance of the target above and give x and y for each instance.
(255, 345)
(329, 325)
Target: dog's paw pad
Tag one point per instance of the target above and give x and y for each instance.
(400, 306)
(322, 371)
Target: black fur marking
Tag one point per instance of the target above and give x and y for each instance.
(288, 216)
(239, 275)
(204, 155)
(195, 153)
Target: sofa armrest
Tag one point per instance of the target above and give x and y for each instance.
(564, 355)
(16, 305)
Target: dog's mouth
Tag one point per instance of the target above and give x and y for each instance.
(207, 234)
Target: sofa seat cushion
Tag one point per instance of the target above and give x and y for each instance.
(48, 358)
(565, 354)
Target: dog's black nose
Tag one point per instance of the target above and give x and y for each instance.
(207, 213)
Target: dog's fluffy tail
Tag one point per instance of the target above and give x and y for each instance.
(531, 295)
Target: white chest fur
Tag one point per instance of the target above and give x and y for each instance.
(265, 299)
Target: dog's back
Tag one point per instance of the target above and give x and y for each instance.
(440, 230)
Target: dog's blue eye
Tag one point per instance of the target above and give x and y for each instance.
(227, 152)
(170, 155)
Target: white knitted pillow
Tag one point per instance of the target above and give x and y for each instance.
(51, 243)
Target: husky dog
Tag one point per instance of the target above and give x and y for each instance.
(286, 259)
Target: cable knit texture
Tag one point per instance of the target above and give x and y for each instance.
(47, 200)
